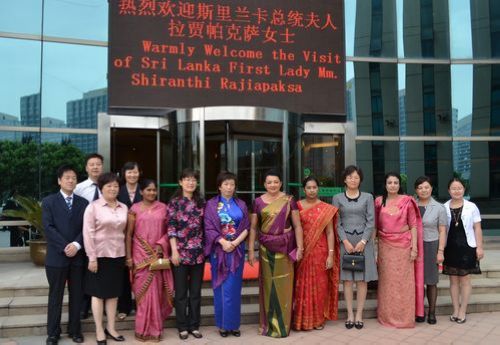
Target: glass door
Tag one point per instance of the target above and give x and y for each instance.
(254, 157)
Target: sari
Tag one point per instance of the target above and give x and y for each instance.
(277, 254)
(227, 268)
(153, 290)
(401, 281)
(316, 289)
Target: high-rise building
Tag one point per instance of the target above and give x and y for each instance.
(82, 113)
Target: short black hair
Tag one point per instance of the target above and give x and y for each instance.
(272, 172)
(421, 180)
(106, 178)
(457, 179)
(144, 183)
(93, 155)
(64, 168)
(351, 169)
(226, 175)
(308, 179)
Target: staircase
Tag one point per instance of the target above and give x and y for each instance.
(24, 290)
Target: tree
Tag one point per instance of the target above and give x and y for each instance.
(24, 164)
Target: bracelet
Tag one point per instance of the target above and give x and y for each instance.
(363, 241)
(301, 249)
(330, 250)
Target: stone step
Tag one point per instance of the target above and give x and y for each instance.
(30, 305)
(31, 325)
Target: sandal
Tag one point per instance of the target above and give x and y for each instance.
(196, 333)
(349, 324)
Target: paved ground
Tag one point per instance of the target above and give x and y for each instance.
(481, 328)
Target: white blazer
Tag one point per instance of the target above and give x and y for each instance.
(470, 215)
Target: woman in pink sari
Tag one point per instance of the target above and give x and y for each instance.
(146, 242)
(400, 257)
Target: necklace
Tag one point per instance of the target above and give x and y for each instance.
(456, 213)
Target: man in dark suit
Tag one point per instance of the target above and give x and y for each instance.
(62, 216)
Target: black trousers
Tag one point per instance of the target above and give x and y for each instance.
(86, 299)
(125, 303)
(57, 277)
(187, 282)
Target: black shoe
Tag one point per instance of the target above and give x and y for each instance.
(419, 319)
(183, 335)
(196, 333)
(223, 333)
(349, 324)
(453, 318)
(236, 333)
(461, 320)
(359, 324)
(52, 340)
(431, 319)
(102, 342)
(77, 338)
(118, 338)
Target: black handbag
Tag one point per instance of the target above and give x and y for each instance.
(353, 262)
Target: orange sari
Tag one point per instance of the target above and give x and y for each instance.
(316, 289)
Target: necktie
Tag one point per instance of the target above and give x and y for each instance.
(68, 202)
(96, 194)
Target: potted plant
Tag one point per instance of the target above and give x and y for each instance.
(30, 210)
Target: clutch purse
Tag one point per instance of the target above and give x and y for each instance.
(160, 264)
(353, 262)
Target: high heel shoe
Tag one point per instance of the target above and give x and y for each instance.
(118, 338)
(349, 324)
(102, 342)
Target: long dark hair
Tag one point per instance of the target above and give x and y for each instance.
(198, 199)
(384, 193)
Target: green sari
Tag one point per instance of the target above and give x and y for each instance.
(276, 275)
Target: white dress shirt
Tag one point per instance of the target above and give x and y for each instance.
(86, 189)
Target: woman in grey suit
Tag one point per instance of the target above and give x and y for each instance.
(434, 221)
(355, 226)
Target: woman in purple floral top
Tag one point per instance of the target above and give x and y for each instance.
(185, 231)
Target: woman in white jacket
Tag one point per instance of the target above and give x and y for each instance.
(464, 247)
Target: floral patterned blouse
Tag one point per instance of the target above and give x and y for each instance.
(185, 223)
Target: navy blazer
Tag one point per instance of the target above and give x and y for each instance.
(124, 197)
(62, 227)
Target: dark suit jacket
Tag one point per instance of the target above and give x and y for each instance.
(123, 196)
(63, 227)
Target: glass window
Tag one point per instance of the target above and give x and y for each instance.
(378, 83)
(375, 28)
(461, 99)
(460, 29)
(21, 16)
(20, 71)
(349, 16)
(430, 158)
(424, 29)
(74, 84)
(485, 27)
(427, 99)
(85, 19)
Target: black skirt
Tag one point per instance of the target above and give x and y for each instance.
(459, 258)
(108, 281)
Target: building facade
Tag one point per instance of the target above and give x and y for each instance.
(422, 97)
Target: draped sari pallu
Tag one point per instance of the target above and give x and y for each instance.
(153, 290)
(316, 289)
(401, 283)
(277, 254)
(227, 268)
